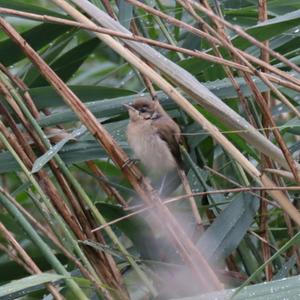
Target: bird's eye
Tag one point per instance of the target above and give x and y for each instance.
(143, 109)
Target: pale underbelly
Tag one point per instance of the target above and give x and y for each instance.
(153, 152)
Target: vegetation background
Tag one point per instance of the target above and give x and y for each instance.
(227, 72)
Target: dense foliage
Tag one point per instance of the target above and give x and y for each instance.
(61, 176)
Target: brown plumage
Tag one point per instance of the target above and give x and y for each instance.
(153, 136)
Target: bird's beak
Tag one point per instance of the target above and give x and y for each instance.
(128, 106)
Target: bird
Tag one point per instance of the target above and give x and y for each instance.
(154, 137)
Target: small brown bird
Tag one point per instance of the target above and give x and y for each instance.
(154, 137)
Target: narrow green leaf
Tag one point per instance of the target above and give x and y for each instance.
(31, 73)
(228, 229)
(268, 29)
(294, 240)
(281, 7)
(232, 136)
(45, 97)
(286, 268)
(101, 109)
(23, 6)
(287, 288)
(28, 282)
(125, 13)
(73, 153)
(36, 37)
(263, 31)
(66, 65)
(42, 160)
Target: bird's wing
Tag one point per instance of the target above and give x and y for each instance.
(169, 132)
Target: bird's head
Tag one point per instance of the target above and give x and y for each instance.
(143, 110)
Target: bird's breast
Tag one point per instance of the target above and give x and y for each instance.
(147, 146)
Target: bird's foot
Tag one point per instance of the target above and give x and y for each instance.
(129, 162)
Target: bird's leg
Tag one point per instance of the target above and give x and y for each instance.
(129, 162)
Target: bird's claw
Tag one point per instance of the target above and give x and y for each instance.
(129, 162)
